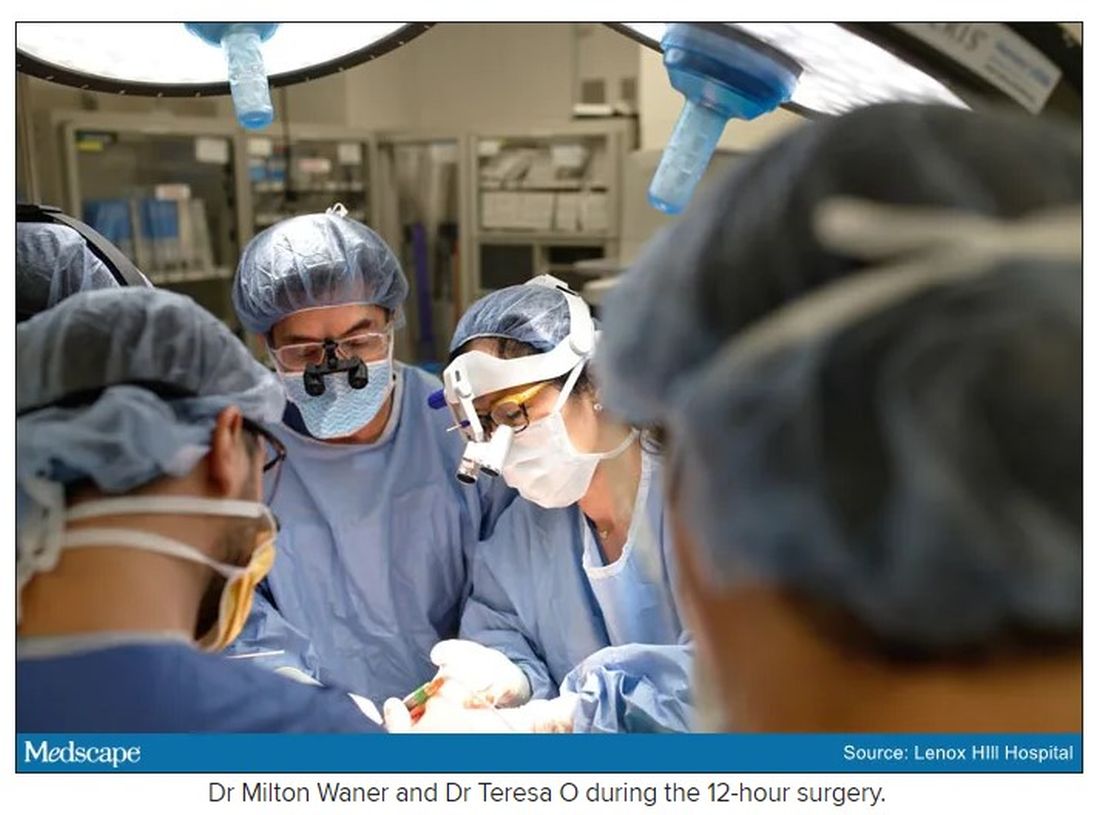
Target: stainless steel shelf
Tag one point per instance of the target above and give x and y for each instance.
(603, 267)
(521, 236)
(164, 276)
(545, 188)
(266, 219)
(329, 186)
(607, 142)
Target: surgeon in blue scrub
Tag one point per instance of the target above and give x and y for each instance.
(140, 458)
(53, 262)
(573, 619)
(376, 535)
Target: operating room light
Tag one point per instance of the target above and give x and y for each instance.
(841, 70)
(166, 54)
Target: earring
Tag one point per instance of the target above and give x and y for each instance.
(597, 407)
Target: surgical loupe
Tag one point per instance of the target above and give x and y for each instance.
(485, 456)
(314, 376)
(475, 374)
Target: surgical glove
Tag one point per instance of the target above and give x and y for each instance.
(446, 715)
(550, 715)
(484, 675)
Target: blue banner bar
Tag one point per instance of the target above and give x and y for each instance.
(717, 753)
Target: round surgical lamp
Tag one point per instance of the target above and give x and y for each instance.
(742, 70)
(174, 59)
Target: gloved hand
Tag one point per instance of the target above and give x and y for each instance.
(550, 715)
(480, 676)
(445, 715)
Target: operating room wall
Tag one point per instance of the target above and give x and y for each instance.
(468, 77)
(605, 55)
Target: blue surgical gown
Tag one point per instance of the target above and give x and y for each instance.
(612, 633)
(374, 549)
(168, 687)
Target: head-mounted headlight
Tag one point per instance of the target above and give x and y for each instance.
(476, 373)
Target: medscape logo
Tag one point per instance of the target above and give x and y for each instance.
(72, 753)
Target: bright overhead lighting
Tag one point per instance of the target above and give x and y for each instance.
(167, 55)
(841, 70)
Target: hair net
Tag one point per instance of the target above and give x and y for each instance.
(536, 315)
(747, 246)
(312, 261)
(53, 262)
(123, 386)
(917, 467)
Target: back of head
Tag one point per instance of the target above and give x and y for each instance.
(123, 386)
(914, 473)
(749, 246)
(53, 262)
(313, 261)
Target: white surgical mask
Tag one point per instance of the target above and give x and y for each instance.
(542, 463)
(342, 410)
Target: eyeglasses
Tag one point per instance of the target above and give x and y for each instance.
(274, 455)
(368, 346)
(510, 411)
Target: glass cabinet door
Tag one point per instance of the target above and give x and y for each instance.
(306, 176)
(167, 201)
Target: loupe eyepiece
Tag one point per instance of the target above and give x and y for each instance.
(314, 377)
(358, 375)
(496, 450)
(485, 456)
(314, 382)
(467, 471)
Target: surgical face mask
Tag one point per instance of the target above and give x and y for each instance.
(542, 463)
(237, 591)
(40, 546)
(341, 410)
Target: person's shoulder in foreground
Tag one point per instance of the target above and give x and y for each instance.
(171, 687)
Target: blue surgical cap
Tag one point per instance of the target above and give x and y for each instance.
(917, 469)
(536, 315)
(53, 262)
(748, 246)
(123, 386)
(312, 261)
